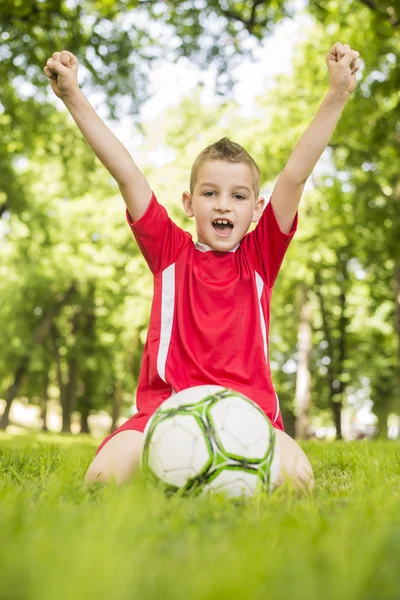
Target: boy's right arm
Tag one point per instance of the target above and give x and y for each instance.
(135, 190)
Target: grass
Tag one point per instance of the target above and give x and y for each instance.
(60, 540)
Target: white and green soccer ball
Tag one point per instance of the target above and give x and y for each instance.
(211, 439)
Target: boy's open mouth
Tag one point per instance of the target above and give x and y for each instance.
(222, 227)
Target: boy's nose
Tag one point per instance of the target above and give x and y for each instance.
(222, 203)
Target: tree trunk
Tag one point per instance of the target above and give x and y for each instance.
(343, 277)
(84, 421)
(87, 376)
(44, 401)
(70, 395)
(85, 401)
(40, 332)
(335, 367)
(337, 417)
(382, 412)
(68, 391)
(397, 325)
(13, 391)
(336, 412)
(61, 385)
(303, 377)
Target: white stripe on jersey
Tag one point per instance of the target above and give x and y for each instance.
(277, 407)
(260, 287)
(167, 315)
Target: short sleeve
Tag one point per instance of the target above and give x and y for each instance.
(160, 240)
(266, 245)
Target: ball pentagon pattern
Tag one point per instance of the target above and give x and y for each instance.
(210, 439)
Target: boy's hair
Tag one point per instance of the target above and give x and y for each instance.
(229, 151)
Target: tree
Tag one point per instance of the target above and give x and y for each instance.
(117, 45)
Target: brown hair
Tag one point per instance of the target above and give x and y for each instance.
(229, 151)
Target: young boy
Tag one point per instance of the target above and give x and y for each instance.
(210, 313)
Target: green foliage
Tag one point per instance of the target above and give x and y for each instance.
(57, 242)
(61, 228)
(117, 43)
(72, 541)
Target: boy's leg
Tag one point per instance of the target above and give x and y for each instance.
(119, 458)
(295, 465)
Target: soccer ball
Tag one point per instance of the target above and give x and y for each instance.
(210, 439)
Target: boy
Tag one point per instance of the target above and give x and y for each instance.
(210, 312)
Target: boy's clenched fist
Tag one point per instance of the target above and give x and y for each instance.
(62, 71)
(343, 64)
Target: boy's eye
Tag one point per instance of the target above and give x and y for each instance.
(238, 196)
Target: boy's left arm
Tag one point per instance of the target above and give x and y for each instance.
(343, 64)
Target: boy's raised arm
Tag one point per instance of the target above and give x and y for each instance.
(343, 64)
(62, 71)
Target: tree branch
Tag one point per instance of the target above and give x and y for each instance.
(236, 16)
(388, 12)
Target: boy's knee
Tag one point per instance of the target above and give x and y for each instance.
(298, 475)
(108, 471)
(301, 476)
(295, 467)
(97, 473)
(117, 460)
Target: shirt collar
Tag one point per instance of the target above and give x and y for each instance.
(205, 248)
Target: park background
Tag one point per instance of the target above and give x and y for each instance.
(170, 78)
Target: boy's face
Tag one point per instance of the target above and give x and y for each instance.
(223, 190)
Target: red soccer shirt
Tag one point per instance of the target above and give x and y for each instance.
(210, 313)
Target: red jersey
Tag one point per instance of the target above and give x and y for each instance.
(210, 313)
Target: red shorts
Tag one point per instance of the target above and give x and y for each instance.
(137, 423)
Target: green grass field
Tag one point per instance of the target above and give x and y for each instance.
(60, 540)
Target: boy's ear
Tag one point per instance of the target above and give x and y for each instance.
(258, 209)
(187, 204)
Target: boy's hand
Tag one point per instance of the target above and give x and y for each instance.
(62, 70)
(343, 64)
